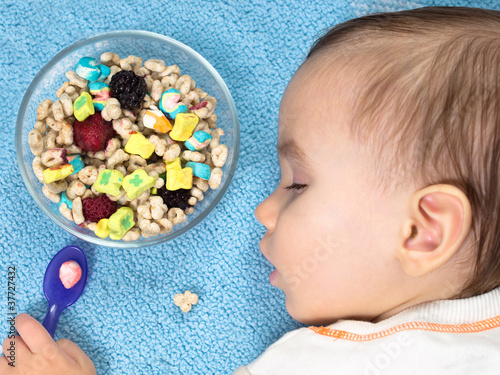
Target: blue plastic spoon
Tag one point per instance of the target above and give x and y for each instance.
(57, 295)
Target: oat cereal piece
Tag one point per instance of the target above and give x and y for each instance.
(62, 89)
(53, 157)
(208, 110)
(35, 141)
(131, 63)
(66, 212)
(118, 157)
(112, 110)
(113, 145)
(76, 189)
(173, 151)
(123, 127)
(195, 156)
(132, 235)
(185, 300)
(44, 109)
(169, 82)
(76, 80)
(197, 193)
(50, 140)
(176, 215)
(219, 155)
(159, 144)
(65, 136)
(185, 84)
(215, 178)
(155, 65)
(57, 111)
(77, 210)
(110, 59)
(38, 168)
(50, 195)
(148, 228)
(57, 187)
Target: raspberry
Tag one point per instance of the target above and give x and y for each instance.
(175, 198)
(128, 88)
(93, 133)
(100, 207)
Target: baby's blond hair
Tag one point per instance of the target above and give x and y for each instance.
(430, 106)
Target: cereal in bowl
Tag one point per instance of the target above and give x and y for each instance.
(128, 149)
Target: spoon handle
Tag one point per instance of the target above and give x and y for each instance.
(51, 319)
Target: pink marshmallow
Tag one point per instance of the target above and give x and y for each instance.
(70, 273)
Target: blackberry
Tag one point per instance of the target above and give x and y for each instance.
(175, 198)
(128, 88)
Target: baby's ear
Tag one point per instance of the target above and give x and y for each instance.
(438, 223)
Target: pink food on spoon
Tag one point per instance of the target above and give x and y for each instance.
(70, 273)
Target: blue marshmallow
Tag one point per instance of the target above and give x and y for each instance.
(87, 68)
(200, 170)
(76, 161)
(105, 71)
(65, 199)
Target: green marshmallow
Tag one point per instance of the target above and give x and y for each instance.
(137, 183)
(83, 106)
(109, 182)
(120, 223)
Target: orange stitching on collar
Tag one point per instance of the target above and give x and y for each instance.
(482, 325)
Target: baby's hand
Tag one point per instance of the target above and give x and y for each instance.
(37, 353)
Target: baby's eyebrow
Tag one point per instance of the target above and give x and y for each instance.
(290, 149)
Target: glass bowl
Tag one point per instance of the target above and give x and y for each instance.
(148, 46)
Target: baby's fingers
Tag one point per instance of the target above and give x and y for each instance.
(35, 336)
(77, 354)
(15, 350)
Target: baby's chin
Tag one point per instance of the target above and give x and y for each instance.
(321, 318)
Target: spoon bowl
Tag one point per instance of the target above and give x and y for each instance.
(55, 292)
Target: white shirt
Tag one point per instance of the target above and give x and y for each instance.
(441, 337)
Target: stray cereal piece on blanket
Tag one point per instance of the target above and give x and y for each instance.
(186, 300)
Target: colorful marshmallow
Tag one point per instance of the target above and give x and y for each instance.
(59, 172)
(120, 223)
(179, 179)
(184, 126)
(137, 183)
(102, 228)
(76, 161)
(109, 182)
(101, 93)
(88, 68)
(198, 141)
(200, 170)
(138, 144)
(83, 106)
(169, 103)
(155, 119)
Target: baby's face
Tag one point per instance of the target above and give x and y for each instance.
(331, 232)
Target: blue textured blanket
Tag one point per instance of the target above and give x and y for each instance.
(126, 320)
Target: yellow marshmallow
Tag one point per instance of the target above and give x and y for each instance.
(139, 145)
(179, 179)
(183, 126)
(57, 173)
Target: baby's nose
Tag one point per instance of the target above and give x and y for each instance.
(266, 213)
